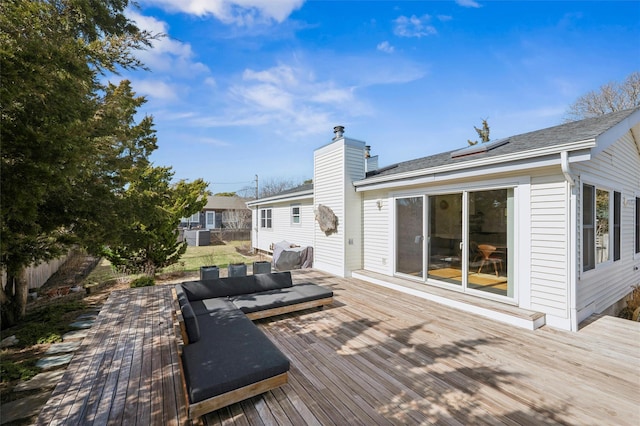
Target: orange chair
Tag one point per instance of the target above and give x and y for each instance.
(487, 250)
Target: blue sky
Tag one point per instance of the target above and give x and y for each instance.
(246, 87)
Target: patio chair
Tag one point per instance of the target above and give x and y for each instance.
(487, 250)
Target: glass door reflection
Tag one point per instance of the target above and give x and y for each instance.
(445, 238)
(409, 236)
(490, 237)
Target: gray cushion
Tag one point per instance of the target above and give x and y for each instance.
(190, 323)
(219, 287)
(182, 296)
(298, 293)
(273, 281)
(212, 306)
(232, 353)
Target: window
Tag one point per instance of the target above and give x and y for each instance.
(617, 203)
(295, 215)
(601, 216)
(588, 230)
(265, 218)
(637, 225)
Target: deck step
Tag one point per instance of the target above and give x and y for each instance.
(498, 311)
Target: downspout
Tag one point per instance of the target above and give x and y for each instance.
(572, 238)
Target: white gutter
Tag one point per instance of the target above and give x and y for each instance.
(300, 195)
(574, 146)
(572, 251)
(564, 165)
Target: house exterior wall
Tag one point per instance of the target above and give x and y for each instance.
(541, 242)
(282, 227)
(376, 234)
(336, 167)
(550, 246)
(616, 168)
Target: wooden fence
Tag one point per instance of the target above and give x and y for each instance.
(36, 276)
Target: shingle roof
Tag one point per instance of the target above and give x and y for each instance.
(301, 188)
(563, 134)
(216, 202)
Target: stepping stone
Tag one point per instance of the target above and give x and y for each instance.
(54, 361)
(46, 380)
(61, 348)
(24, 408)
(87, 316)
(74, 335)
(82, 324)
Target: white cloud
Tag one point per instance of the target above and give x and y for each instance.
(155, 89)
(212, 141)
(238, 12)
(414, 26)
(210, 81)
(468, 3)
(166, 54)
(287, 99)
(386, 47)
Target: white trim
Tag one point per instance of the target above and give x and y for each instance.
(521, 186)
(467, 307)
(496, 164)
(604, 185)
(294, 196)
(292, 215)
(572, 253)
(616, 132)
(344, 141)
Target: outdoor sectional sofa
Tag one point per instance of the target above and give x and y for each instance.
(225, 357)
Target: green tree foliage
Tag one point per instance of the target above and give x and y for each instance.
(225, 194)
(51, 54)
(72, 153)
(610, 97)
(482, 133)
(150, 213)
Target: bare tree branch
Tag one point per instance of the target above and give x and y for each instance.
(610, 97)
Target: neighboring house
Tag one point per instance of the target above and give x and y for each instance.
(546, 221)
(220, 212)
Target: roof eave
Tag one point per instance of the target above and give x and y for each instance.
(573, 146)
(287, 197)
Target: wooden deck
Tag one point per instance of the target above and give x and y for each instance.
(376, 356)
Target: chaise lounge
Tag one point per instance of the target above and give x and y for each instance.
(225, 358)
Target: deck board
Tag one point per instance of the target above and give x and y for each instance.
(375, 356)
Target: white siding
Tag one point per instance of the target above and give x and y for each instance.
(328, 185)
(336, 166)
(549, 245)
(375, 232)
(354, 170)
(616, 168)
(282, 228)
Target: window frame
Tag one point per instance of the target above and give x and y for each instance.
(614, 226)
(637, 227)
(295, 215)
(266, 218)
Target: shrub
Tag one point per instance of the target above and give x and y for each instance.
(10, 370)
(145, 281)
(46, 325)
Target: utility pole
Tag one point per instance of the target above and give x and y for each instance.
(256, 187)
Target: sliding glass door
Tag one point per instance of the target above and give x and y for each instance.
(490, 239)
(469, 240)
(410, 236)
(445, 238)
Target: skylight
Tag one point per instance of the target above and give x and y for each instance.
(479, 148)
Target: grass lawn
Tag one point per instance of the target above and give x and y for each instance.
(221, 256)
